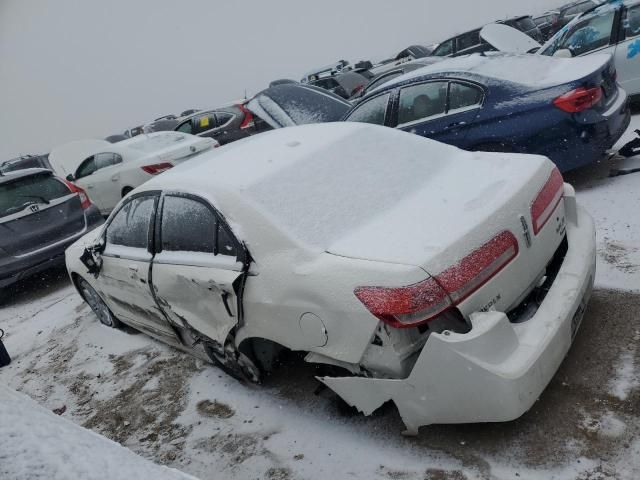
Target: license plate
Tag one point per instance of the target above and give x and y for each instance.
(579, 315)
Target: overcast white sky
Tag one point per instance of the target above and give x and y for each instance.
(88, 68)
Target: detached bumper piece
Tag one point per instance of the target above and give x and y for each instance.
(498, 370)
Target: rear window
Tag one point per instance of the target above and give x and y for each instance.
(17, 195)
(25, 162)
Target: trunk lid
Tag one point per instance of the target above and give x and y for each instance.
(462, 207)
(508, 39)
(289, 105)
(37, 211)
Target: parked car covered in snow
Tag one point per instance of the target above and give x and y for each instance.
(109, 171)
(449, 282)
(612, 28)
(40, 216)
(24, 162)
(570, 110)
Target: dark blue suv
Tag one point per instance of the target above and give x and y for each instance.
(570, 110)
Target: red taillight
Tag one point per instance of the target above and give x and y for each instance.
(85, 201)
(247, 121)
(547, 200)
(157, 168)
(415, 305)
(579, 100)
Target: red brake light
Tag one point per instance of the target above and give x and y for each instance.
(85, 201)
(547, 200)
(579, 100)
(157, 168)
(247, 121)
(415, 305)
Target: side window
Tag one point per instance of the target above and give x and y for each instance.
(191, 226)
(422, 101)
(204, 123)
(462, 96)
(590, 34)
(185, 127)
(104, 160)
(632, 25)
(372, 111)
(444, 49)
(86, 168)
(468, 40)
(187, 226)
(225, 243)
(223, 117)
(130, 226)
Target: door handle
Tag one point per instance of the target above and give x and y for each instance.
(115, 178)
(133, 268)
(456, 124)
(89, 186)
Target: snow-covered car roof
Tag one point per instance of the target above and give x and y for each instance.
(315, 187)
(525, 69)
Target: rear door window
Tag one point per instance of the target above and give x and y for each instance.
(104, 160)
(190, 225)
(223, 118)
(463, 96)
(130, 226)
(17, 195)
(373, 111)
(421, 102)
(468, 40)
(204, 123)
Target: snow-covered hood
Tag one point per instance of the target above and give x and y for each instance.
(508, 39)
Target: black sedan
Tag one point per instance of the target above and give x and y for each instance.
(40, 216)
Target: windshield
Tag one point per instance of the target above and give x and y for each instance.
(589, 33)
(17, 195)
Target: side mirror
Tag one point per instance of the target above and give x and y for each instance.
(563, 53)
(70, 177)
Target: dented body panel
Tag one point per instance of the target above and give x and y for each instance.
(498, 370)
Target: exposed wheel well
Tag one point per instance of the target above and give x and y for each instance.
(126, 190)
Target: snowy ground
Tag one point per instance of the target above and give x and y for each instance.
(180, 411)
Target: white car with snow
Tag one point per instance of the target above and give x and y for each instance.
(612, 28)
(448, 281)
(109, 171)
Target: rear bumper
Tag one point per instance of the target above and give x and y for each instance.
(13, 269)
(497, 371)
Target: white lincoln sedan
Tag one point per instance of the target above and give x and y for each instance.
(449, 282)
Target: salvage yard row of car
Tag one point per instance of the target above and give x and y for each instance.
(417, 241)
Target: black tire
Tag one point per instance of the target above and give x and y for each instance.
(125, 191)
(98, 306)
(233, 363)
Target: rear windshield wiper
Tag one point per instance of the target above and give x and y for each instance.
(38, 197)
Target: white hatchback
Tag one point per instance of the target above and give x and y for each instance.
(450, 282)
(109, 171)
